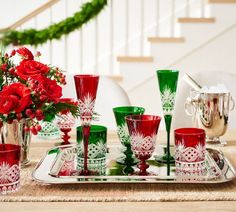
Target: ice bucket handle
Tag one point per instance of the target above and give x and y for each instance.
(231, 103)
(189, 106)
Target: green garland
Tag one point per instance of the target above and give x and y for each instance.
(55, 31)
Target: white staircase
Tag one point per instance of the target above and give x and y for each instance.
(204, 44)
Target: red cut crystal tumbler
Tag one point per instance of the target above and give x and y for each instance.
(9, 168)
(190, 151)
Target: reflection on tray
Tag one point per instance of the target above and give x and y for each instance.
(65, 166)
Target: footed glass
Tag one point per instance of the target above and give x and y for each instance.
(143, 131)
(86, 89)
(122, 130)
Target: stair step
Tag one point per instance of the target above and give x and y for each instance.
(166, 39)
(222, 1)
(196, 20)
(134, 59)
(117, 78)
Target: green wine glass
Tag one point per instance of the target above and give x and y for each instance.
(167, 80)
(127, 159)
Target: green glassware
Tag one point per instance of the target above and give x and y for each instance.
(97, 149)
(168, 80)
(120, 113)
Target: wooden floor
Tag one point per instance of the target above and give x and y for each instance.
(119, 206)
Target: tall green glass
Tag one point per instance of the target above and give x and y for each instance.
(122, 130)
(168, 80)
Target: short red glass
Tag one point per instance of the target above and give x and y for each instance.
(9, 168)
(190, 151)
(143, 130)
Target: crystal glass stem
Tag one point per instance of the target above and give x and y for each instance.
(86, 134)
(168, 120)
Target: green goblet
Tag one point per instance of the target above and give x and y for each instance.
(168, 80)
(120, 113)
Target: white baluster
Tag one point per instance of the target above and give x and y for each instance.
(50, 42)
(202, 8)
(158, 17)
(111, 37)
(172, 23)
(142, 28)
(96, 45)
(187, 8)
(66, 38)
(36, 22)
(81, 45)
(127, 27)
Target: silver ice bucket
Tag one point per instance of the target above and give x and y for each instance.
(210, 111)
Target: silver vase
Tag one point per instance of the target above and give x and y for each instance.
(15, 134)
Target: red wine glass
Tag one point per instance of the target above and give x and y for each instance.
(86, 89)
(143, 130)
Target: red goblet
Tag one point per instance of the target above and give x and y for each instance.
(86, 89)
(143, 130)
(65, 122)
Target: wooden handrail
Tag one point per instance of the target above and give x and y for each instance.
(30, 16)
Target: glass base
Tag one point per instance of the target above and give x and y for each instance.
(9, 188)
(25, 163)
(121, 161)
(216, 141)
(163, 159)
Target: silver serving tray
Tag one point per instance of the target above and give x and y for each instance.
(219, 169)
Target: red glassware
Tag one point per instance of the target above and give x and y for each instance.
(190, 151)
(9, 168)
(86, 89)
(143, 130)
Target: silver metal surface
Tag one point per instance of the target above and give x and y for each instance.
(210, 112)
(15, 134)
(219, 170)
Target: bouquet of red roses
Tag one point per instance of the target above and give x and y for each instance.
(31, 90)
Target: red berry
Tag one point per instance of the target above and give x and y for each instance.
(38, 128)
(9, 121)
(3, 67)
(19, 116)
(6, 55)
(33, 130)
(32, 116)
(28, 112)
(12, 71)
(13, 52)
(43, 98)
(26, 129)
(39, 112)
(38, 54)
(40, 118)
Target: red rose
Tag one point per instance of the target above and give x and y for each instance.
(25, 53)
(48, 88)
(14, 97)
(30, 68)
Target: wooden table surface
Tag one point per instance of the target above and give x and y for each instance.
(125, 206)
